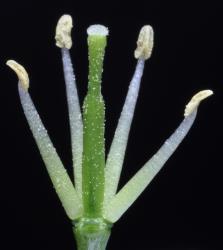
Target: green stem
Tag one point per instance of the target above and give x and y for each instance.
(92, 234)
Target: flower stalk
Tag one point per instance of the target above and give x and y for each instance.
(92, 200)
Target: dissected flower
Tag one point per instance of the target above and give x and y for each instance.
(91, 199)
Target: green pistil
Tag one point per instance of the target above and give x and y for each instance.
(93, 134)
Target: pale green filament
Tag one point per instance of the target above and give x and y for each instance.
(58, 174)
(75, 118)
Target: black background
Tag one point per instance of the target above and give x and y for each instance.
(182, 207)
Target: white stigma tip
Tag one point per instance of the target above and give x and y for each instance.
(97, 30)
(144, 43)
(21, 73)
(63, 32)
(195, 101)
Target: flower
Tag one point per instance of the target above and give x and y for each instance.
(92, 198)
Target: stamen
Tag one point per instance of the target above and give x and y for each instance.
(118, 147)
(58, 174)
(131, 191)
